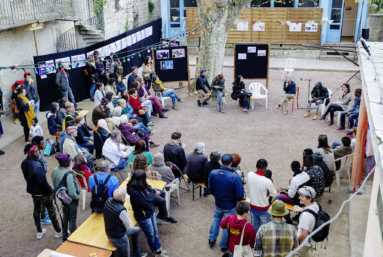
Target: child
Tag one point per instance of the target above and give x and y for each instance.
(80, 167)
(269, 174)
(235, 168)
(35, 129)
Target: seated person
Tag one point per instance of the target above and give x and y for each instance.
(196, 163)
(218, 90)
(140, 148)
(165, 92)
(116, 116)
(111, 87)
(145, 95)
(135, 102)
(111, 102)
(239, 92)
(235, 168)
(80, 167)
(62, 112)
(201, 85)
(158, 165)
(214, 164)
(54, 120)
(325, 150)
(121, 88)
(127, 109)
(63, 135)
(134, 134)
(353, 112)
(337, 143)
(71, 115)
(115, 151)
(99, 93)
(132, 77)
(343, 150)
(144, 102)
(102, 112)
(103, 130)
(174, 152)
(84, 136)
(290, 92)
(318, 94)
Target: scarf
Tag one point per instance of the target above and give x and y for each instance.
(81, 167)
(30, 114)
(159, 83)
(134, 97)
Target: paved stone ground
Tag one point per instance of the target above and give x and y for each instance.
(262, 133)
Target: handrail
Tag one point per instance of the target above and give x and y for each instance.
(67, 41)
(98, 18)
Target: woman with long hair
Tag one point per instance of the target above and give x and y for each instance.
(166, 92)
(99, 93)
(140, 148)
(135, 102)
(325, 151)
(239, 92)
(62, 111)
(121, 88)
(26, 113)
(54, 120)
(147, 71)
(145, 95)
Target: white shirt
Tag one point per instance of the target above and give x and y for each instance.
(296, 181)
(328, 158)
(114, 150)
(307, 222)
(258, 188)
(97, 97)
(36, 131)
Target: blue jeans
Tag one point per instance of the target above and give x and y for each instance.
(220, 214)
(36, 108)
(149, 227)
(149, 106)
(63, 135)
(336, 144)
(69, 95)
(92, 87)
(122, 244)
(186, 157)
(1, 129)
(142, 127)
(89, 146)
(351, 118)
(259, 218)
(172, 94)
(122, 163)
(147, 116)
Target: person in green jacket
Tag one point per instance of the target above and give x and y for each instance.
(70, 211)
(218, 86)
(140, 148)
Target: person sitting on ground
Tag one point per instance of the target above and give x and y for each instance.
(111, 87)
(276, 238)
(337, 143)
(165, 92)
(174, 152)
(290, 92)
(325, 150)
(196, 163)
(54, 120)
(145, 95)
(235, 168)
(132, 77)
(343, 150)
(101, 112)
(239, 92)
(121, 88)
(69, 211)
(80, 167)
(84, 136)
(35, 129)
(71, 114)
(239, 230)
(140, 148)
(218, 91)
(340, 105)
(99, 94)
(141, 199)
(135, 102)
(226, 187)
(158, 165)
(134, 134)
(214, 164)
(318, 161)
(117, 225)
(115, 151)
(201, 86)
(39, 188)
(62, 112)
(353, 112)
(318, 94)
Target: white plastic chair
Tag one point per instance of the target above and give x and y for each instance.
(174, 185)
(345, 163)
(83, 189)
(290, 65)
(324, 101)
(255, 89)
(161, 98)
(338, 117)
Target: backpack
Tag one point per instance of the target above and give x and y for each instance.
(317, 180)
(49, 147)
(119, 70)
(320, 218)
(61, 191)
(99, 194)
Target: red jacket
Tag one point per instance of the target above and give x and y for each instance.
(236, 227)
(135, 103)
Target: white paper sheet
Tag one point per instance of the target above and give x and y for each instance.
(77, 59)
(242, 56)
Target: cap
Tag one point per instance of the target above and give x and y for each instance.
(227, 159)
(318, 83)
(104, 101)
(307, 191)
(202, 70)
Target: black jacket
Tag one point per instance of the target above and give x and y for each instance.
(34, 175)
(23, 108)
(176, 155)
(83, 135)
(141, 203)
(195, 167)
(202, 83)
(31, 91)
(321, 93)
(237, 88)
(209, 166)
(92, 72)
(113, 225)
(318, 160)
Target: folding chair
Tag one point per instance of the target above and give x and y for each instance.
(115, 167)
(83, 189)
(174, 185)
(178, 174)
(345, 163)
(293, 100)
(196, 186)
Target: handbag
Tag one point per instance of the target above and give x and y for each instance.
(140, 133)
(142, 111)
(226, 254)
(242, 250)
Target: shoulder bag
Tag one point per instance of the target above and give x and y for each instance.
(242, 250)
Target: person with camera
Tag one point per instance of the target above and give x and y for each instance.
(31, 92)
(318, 95)
(69, 211)
(64, 84)
(290, 92)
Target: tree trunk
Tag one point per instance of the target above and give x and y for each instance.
(379, 5)
(213, 36)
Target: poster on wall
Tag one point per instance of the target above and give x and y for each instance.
(112, 48)
(123, 43)
(134, 39)
(149, 31)
(242, 56)
(65, 61)
(47, 64)
(259, 26)
(143, 34)
(138, 36)
(295, 27)
(243, 26)
(178, 53)
(106, 51)
(311, 28)
(162, 54)
(118, 45)
(251, 49)
(166, 65)
(76, 61)
(261, 52)
(128, 40)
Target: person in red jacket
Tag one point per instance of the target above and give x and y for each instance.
(236, 223)
(134, 101)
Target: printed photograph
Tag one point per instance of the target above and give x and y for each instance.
(178, 53)
(162, 54)
(166, 65)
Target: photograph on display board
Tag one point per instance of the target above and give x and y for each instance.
(123, 43)
(106, 51)
(311, 28)
(242, 56)
(243, 26)
(101, 52)
(76, 59)
(178, 53)
(162, 54)
(129, 40)
(112, 48)
(261, 52)
(166, 65)
(149, 31)
(143, 34)
(251, 49)
(65, 61)
(47, 64)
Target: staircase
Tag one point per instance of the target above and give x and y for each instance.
(331, 55)
(90, 33)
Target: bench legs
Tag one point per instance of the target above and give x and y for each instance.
(196, 186)
(186, 183)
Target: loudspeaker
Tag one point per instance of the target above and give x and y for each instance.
(366, 33)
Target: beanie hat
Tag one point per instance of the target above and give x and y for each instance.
(70, 129)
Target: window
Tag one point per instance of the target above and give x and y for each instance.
(335, 27)
(176, 14)
(190, 3)
(335, 15)
(284, 3)
(260, 3)
(308, 3)
(337, 3)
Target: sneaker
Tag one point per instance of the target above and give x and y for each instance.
(154, 114)
(175, 107)
(58, 234)
(40, 234)
(162, 254)
(349, 130)
(163, 116)
(315, 116)
(46, 221)
(341, 128)
(211, 243)
(150, 123)
(349, 134)
(199, 103)
(285, 113)
(221, 111)
(306, 114)
(205, 103)
(166, 219)
(277, 106)
(2, 135)
(331, 123)
(165, 110)
(224, 250)
(322, 117)
(151, 132)
(16, 121)
(150, 129)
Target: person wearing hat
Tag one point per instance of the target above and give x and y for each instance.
(70, 211)
(318, 94)
(307, 220)
(201, 85)
(276, 238)
(226, 187)
(101, 112)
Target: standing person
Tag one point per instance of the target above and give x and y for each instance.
(69, 211)
(196, 163)
(38, 187)
(121, 88)
(238, 228)
(260, 189)
(239, 91)
(141, 199)
(165, 92)
(26, 113)
(307, 220)
(99, 94)
(214, 164)
(276, 238)
(117, 225)
(340, 105)
(147, 71)
(290, 91)
(64, 84)
(54, 120)
(318, 94)
(226, 187)
(35, 129)
(201, 86)
(174, 152)
(31, 92)
(14, 106)
(99, 66)
(132, 77)
(325, 150)
(93, 76)
(218, 92)
(353, 112)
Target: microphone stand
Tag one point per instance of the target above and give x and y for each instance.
(308, 93)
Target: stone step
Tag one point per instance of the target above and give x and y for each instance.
(87, 27)
(91, 32)
(93, 36)
(337, 58)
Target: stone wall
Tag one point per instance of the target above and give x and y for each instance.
(375, 24)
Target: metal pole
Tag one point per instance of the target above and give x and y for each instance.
(37, 50)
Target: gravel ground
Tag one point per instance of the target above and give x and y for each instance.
(262, 133)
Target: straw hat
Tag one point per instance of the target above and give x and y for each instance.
(278, 209)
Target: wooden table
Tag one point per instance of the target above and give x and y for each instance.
(92, 231)
(80, 250)
(45, 253)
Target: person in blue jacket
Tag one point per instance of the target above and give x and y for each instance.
(121, 88)
(133, 76)
(226, 187)
(290, 91)
(54, 120)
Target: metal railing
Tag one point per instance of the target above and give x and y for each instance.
(67, 41)
(98, 16)
(14, 13)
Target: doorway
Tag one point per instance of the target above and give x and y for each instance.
(349, 20)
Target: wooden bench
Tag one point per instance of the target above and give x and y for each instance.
(196, 186)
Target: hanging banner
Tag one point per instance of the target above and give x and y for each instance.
(76, 61)
(288, 23)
